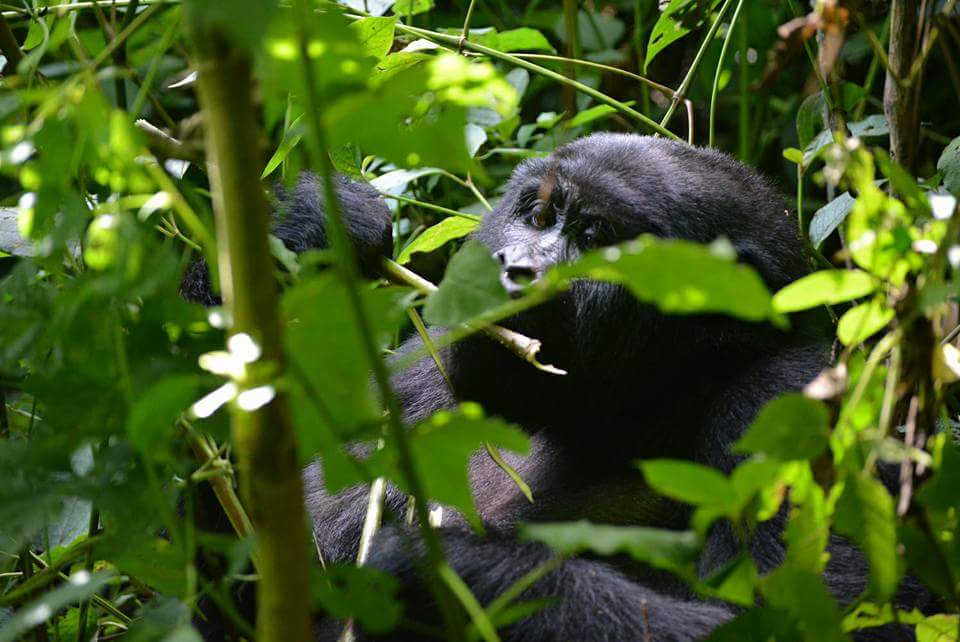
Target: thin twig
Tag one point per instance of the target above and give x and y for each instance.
(521, 345)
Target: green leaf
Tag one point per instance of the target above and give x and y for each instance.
(863, 321)
(688, 482)
(875, 125)
(787, 428)
(865, 514)
(805, 597)
(442, 446)
(155, 412)
(471, 285)
(824, 288)
(735, 582)
(594, 113)
(291, 138)
(940, 492)
(367, 594)
(676, 20)
(679, 277)
(412, 7)
(523, 39)
(674, 551)
(811, 118)
(375, 34)
(938, 628)
(40, 610)
(163, 618)
(453, 227)
(949, 166)
(829, 217)
(762, 623)
(793, 155)
(330, 396)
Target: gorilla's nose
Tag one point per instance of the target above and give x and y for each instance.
(519, 270)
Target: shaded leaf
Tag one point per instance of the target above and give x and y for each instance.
(865, 514)
(674, 551)
(829, 217)
(470, 286)
(789, 427)
(949, 166)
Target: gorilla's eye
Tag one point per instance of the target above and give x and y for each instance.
(540, 217)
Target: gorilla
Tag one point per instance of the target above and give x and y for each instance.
(641, 384)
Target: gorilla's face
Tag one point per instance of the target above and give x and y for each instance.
(606, 189)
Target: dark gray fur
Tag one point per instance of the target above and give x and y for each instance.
(641, 385)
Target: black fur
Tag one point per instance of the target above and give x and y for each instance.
(640, 385)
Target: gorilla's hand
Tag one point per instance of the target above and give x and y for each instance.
(301, 216)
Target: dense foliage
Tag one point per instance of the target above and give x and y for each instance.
(111, 427)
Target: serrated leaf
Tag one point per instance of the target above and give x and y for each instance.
(825, 287)
(787, 428)
(679, 277)
(470, 286)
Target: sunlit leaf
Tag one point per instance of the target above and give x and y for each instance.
(450, 228)
(679, 277)
(824, 288)
(860, 323)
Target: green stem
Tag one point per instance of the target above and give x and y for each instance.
(571, 28)
(9, 46)
(743, 135)
(268, 468)
(697, 59)
(430, 206)
(813, 62)
(80, 6)
(716, 76)
(465, 34)
(347, 268)
(666, 91)
(443, 38)
(92, 529)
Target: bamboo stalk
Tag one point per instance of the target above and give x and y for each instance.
(265, 443)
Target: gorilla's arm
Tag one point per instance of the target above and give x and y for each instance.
(300, 215)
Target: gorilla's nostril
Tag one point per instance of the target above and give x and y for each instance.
(521, 274)
(502, 257)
